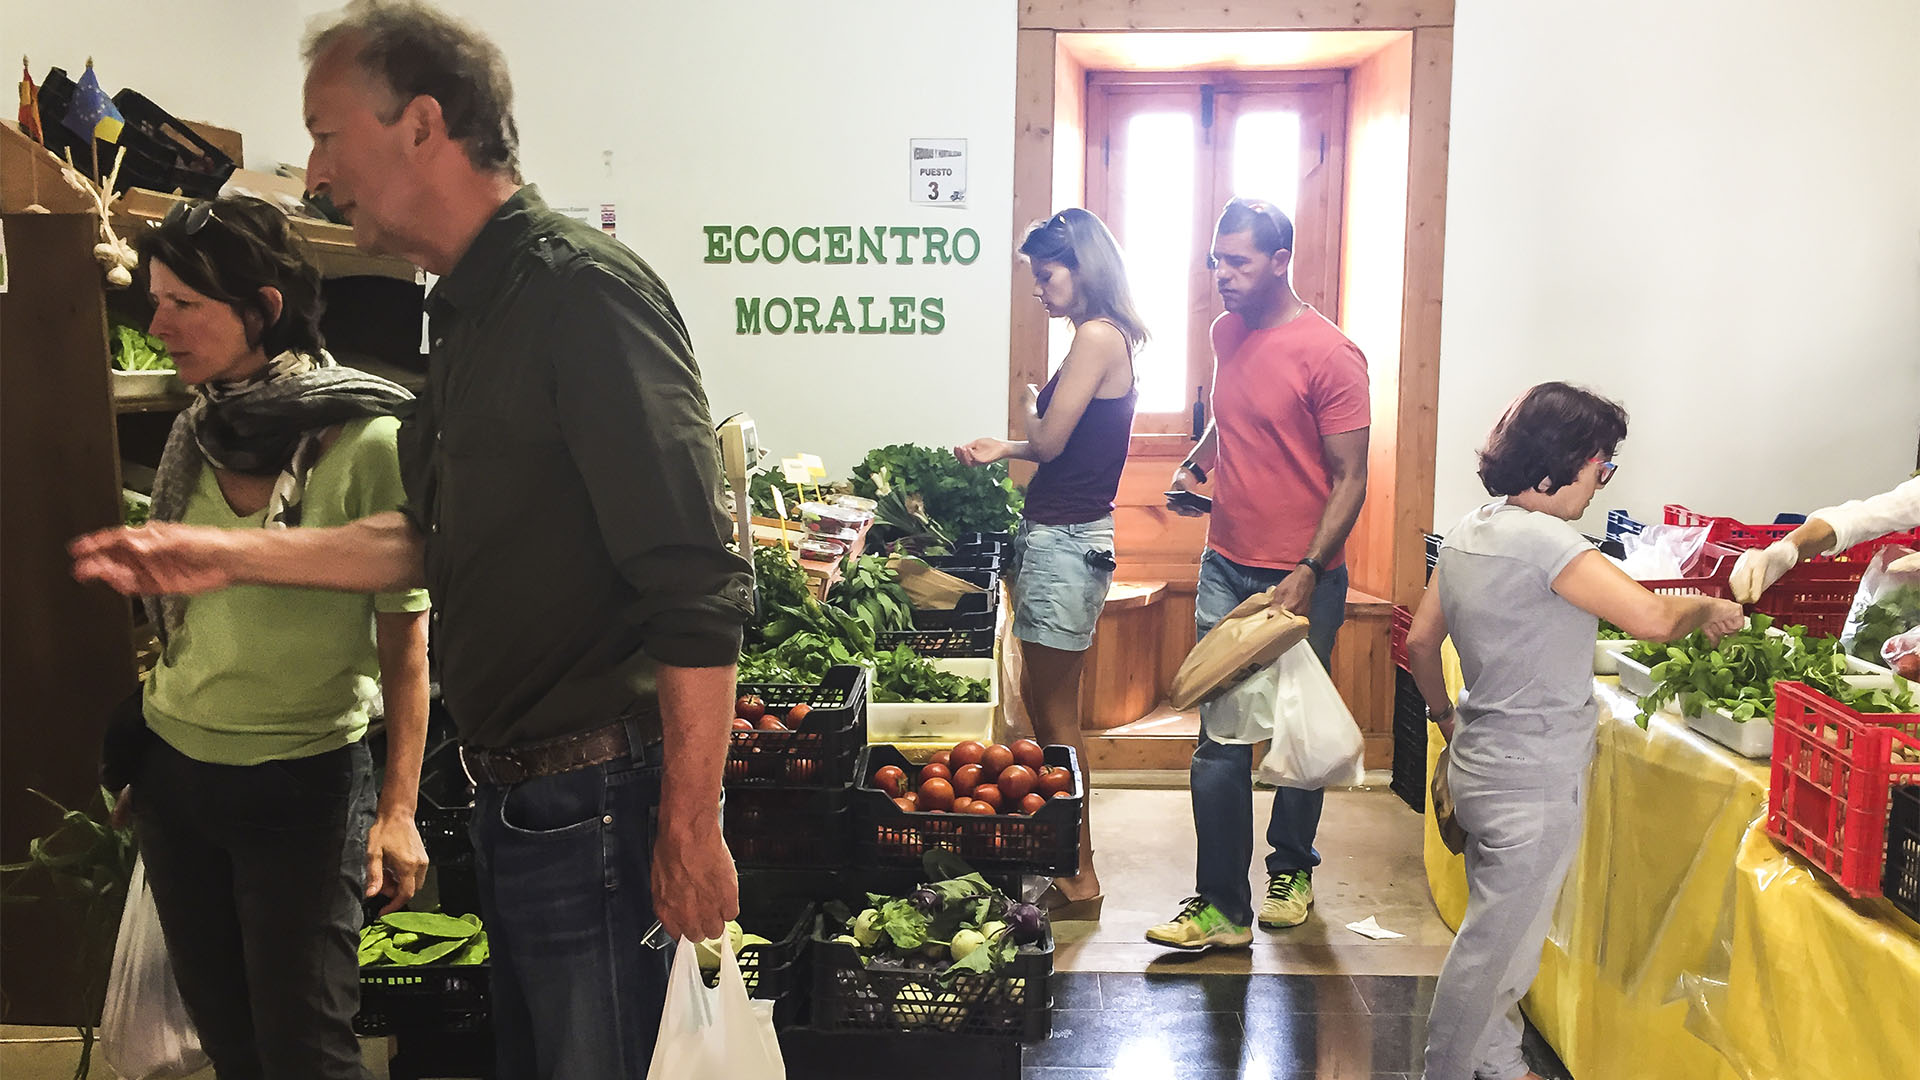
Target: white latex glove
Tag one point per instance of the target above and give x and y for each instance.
(1906, 564)
(1759, 568)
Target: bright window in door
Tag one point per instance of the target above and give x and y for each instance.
(1164, 153)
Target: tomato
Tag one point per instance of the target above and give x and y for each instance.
(750, 706)
(1029, 753)
(770, 723)
(966, 778)
(982, 809)
(1016, 782)
(891, 779)
(797, 714)
(935, 770)
(741, 723)
(963, 805)
(1055, 781)
(996, 759)
(904, 805)
(912, 797)
(936, 794)
(989, 794)
(1032, 802)
(940, 757)
(967, 753)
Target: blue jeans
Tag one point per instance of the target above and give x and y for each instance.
(565, 872)
(1222, 774)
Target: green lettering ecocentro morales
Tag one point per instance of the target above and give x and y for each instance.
(840, 245)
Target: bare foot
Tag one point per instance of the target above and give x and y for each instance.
(1082, 886)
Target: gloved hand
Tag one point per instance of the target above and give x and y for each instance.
(1906, 564)
(1759, 568)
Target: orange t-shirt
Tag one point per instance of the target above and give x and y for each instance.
(1276, 392)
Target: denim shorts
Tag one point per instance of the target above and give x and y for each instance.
(1057, 594)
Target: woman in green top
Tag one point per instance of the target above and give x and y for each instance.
(254, 807)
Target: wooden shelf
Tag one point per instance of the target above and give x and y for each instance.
(173, 402)
(330, 246)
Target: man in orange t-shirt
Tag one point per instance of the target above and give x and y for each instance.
(1287, 455)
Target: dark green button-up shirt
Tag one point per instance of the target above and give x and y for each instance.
(564, 469)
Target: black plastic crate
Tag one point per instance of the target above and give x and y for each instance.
(975, 611)
(1047, 842)
(976, 561)
(776, 971)
(1014, 1003)
(1409, 741)
(820, 754)
(976, 539)
(965, 644)
(789, 827)
(1901, 879)
(1433, 553)
(443, 998)
(449, 844)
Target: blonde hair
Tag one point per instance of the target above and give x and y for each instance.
(1079, 241)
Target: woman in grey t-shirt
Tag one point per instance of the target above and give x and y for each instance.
(1520, 591)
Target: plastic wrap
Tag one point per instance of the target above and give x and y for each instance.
(1687, 945)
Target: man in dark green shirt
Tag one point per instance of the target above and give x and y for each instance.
(563, 486)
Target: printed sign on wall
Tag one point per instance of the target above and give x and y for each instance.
(938, 168)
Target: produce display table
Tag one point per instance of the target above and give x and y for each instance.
(1688, 944)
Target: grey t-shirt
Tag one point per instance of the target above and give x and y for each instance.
(1526, 653)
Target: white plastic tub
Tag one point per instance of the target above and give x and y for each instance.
(1606, 656)
(911, 723)
(1754, 738)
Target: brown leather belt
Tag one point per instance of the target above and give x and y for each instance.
(513, 764)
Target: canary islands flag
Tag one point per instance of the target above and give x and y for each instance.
(91, 114)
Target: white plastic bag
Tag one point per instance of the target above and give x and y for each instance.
(145, 1033)
(716, 1034)
(1662, 552)
(1316, 744)
(1244, 714)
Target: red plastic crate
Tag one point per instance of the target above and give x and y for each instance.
(1725, 530)
(1816, 594)
(1402, 623)
(1833, 771)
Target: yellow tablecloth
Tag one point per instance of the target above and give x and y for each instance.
(1689, 945)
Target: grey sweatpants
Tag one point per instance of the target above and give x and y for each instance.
(1521, 834)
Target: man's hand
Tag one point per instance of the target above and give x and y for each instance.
(1295, 592)
(695, 889)
(1183, 481)
(1906, 564)
(155, 559)
(983, 451)
(396, 860)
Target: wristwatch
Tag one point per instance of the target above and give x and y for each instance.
(1319, 569)
(1199, 473)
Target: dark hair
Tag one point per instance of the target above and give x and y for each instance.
(414, 50)
(1549, 435)
(242, 246)
(1272, 229)
(1078, 240)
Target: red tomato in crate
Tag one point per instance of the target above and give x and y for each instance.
(1056, 780)
(996, 759)
(1029, 753)
(936, 794)
(963, 805)
(904, 805)
(741, 723)
(967, 753)
(966, 778)
(940, 758)
(750, 706)
(989, 794)
(770, 723)
(979, 808)
(1032, 803)
(797, 715)
(891, 779)
(913, 799)
(1016, 782)
(934, 770)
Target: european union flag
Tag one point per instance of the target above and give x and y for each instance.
(91, 114)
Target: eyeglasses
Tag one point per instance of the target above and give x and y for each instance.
(196, 214)
(1607, 469)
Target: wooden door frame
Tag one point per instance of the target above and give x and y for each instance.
(1403, 567)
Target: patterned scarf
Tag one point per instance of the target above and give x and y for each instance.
(268, 424)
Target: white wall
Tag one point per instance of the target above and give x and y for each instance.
(725, 112)
(1709, 210)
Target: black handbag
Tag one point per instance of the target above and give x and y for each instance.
(124, 747)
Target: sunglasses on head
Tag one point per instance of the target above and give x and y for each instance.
(196, 214)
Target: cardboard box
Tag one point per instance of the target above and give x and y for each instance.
(30, 176)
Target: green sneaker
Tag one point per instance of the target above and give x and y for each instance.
(1200, 926)
(1289, 898)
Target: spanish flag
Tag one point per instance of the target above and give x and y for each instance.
(30, 105)
(92, 114)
